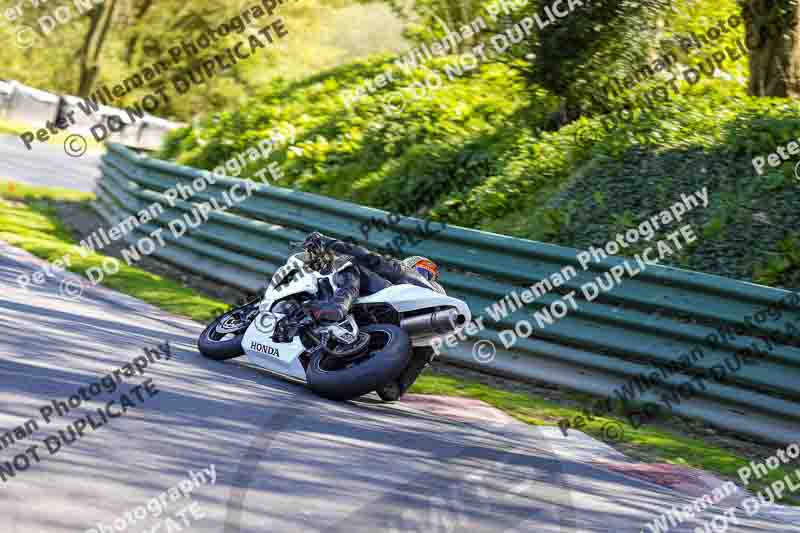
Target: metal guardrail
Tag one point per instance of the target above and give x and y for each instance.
(26, 105)
(598, 348)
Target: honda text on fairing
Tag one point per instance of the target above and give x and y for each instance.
(379, 343)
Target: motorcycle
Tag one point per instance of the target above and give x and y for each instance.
(382, 345)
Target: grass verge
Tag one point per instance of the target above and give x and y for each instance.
(658, 445)
(28, 221)
(8, 128)
(17, 129)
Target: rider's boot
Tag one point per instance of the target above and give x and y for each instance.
(337, 308)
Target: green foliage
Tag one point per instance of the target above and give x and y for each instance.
(714, 226)
(322, 34)
(480, 152)
(686, 18)
(782, 265)
(609, 37)
(474, 153)
(430, 20)
(448, 151)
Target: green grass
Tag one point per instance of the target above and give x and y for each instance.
(11, 190)
(29, 221)
(10, 129)
(17, 128)
(657, 444)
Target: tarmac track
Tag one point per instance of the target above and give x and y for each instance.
(47, 165)
(284, 459)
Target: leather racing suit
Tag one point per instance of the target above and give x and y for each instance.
(367, 273)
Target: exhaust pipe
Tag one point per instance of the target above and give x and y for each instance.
(437, 322)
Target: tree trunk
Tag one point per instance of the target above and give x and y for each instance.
(773, 38)
(100, 22)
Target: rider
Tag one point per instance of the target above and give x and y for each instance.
(366, 273)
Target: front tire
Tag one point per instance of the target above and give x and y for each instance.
(222, 339)
(388, 355)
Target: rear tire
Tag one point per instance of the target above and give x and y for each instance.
(394, 390)
(381, 367)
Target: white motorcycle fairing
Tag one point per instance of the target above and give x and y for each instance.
(259, 348)
(279, 357)
(406, 298)
(283, 357)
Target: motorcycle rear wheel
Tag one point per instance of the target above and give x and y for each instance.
(395, 389)
(386, 357)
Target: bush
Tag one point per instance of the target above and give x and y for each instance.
(475, 153)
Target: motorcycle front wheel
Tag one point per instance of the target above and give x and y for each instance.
(222, 339)
(383, 360)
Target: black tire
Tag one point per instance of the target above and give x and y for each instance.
(391, 392)
(394, 390)
(222, 348)
(370, 373)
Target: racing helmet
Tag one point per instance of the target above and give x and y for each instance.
(422, 266)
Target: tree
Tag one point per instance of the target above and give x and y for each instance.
(77, 50)
(100, 20)
(572, 55)
(429, 20)
(773, 36)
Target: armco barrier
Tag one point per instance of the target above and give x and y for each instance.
(29, 105)
(595, 349)
(25, 105)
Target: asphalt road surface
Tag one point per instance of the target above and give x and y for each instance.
(47, 165)
(283, 459)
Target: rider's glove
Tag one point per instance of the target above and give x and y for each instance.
(314, 242)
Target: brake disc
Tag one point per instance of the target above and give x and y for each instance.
(349, 350)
